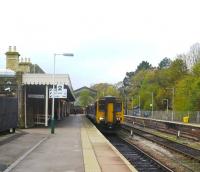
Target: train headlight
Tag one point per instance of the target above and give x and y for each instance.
(118, 118)
(101, 118)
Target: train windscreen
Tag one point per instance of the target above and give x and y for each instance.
(101, 106)
(118, 107)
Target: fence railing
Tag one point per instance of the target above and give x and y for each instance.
(194, 117)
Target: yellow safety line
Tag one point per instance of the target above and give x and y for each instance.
(90, 162)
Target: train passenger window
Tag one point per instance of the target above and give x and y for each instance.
(101, 106)
(118, 107)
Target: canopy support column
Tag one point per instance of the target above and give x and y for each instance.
(46, 106)
(25, 117)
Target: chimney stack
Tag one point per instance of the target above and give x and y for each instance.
(12, 59)
(14, 49)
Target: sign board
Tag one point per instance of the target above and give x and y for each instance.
(36, 96)
(59, 92)
(60, 89)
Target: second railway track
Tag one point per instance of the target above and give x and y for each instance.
(141, 161)
(183, 149)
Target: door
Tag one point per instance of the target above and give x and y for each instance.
(110, 110)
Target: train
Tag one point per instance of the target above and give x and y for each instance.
(106, 113)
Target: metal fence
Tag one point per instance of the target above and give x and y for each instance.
(194, 117)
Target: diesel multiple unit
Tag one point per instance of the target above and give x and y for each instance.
(107, 113)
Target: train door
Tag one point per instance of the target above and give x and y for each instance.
(110, 111)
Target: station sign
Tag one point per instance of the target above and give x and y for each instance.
(59, 92)
(36, 96)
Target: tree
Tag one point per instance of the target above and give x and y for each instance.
(196, 69)
(169, 74)
(144, 65)
(105, 89)
(192, 57)
(177, 69)
(126, 81)
(165, 63)
(85, 98)
(194, 53)
(129, 74)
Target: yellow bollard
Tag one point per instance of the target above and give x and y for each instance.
(186, 119)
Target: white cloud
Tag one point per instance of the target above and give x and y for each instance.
(94, 30)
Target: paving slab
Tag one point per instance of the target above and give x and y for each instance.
(76, 146)
(13, 147)
(60, 152)
(108, 159)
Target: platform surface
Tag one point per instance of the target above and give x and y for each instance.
(76, 146)
(107, 158)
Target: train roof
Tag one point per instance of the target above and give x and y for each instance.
(109, 98)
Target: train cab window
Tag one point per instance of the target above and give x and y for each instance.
(118, 107)
(95, 106)
(101, 106)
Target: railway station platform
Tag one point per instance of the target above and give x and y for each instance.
(188, 130)
(76, 146)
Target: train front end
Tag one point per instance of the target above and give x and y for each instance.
(109, 113)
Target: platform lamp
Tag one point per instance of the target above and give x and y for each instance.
(53, 90)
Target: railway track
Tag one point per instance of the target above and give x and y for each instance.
(188, 131)
(141, 161)
(183, 149)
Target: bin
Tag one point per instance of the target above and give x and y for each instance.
(186, 119)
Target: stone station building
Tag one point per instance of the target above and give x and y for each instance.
(31, 86)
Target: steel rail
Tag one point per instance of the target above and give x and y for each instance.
(138, 158)
(178, 147)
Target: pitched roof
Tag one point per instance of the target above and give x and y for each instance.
(85, 88)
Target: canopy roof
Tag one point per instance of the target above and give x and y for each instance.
(47, 79)
(6, 73)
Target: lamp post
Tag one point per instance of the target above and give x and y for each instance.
(167, 104)
(173, 92)
(152, 104)
(139, 105)
(125, 93)
(53, 91)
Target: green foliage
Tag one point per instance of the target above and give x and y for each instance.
(196, 69)
(160, 81)
(164, 77)
(85, 98)
(178, 68)
(105, 89)
(165, 63)
(183, 94)
(195, 94)
(144, 65)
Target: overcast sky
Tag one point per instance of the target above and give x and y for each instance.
(108, 37)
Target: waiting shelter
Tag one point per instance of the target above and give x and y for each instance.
(37, 98)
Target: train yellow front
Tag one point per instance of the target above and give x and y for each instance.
(107, 113)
